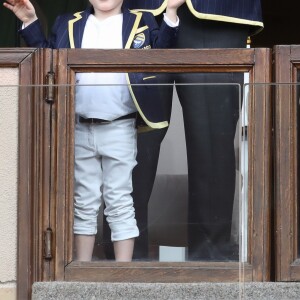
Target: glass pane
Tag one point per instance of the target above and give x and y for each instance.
(185, 186)
(164, 189)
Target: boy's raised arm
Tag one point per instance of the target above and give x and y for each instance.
(23, 9)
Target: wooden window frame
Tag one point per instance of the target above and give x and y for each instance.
(26, 60)
(50, 138)
(287, 65)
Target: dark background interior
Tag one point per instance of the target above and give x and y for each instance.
(280, 20)
(281, 24)
(47, 11)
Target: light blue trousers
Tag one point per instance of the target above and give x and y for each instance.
(105, 155)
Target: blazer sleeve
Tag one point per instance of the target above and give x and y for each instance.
(34, 36)
(163, 36)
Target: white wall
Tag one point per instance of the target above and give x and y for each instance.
(8, 181)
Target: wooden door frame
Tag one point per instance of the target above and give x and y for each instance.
(28, 62)
(34, 148)
(287, 64)
(255, 61)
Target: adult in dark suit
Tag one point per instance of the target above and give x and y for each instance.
(210, 117)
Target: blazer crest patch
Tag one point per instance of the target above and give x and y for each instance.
(139, 40)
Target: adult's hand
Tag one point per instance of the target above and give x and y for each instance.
(23, 9)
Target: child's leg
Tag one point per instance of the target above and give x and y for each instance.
(87, 194)
(84, 245)
(118, 160)
(123, 250)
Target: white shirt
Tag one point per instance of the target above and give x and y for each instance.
(104, 95)
(109, 97)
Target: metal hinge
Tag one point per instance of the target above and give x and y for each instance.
(50, 81)
(48, 243)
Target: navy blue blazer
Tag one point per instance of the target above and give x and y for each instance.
(139, 31)
(234, 11)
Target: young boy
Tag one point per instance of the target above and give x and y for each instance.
(105, 132)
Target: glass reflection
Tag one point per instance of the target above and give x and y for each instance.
(185, 186)
(243, 171)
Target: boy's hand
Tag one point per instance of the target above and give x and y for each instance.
(23, 9)
(172, 7)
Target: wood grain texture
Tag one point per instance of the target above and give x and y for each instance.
(287, 65)
(256, 61)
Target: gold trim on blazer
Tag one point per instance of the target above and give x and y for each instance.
(149, 77)
(134, 28)
(206, 16)
(77, 16)
(127, 46)
(220, 17)
(141, 29)
(157, 125)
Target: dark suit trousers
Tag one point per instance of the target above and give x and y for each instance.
(210, 116)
